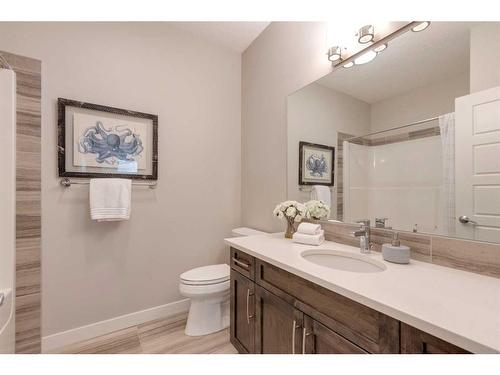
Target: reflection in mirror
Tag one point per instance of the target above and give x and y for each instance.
(416, 133)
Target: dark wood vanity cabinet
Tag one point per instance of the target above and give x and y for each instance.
(242, 329)
(243, 263)
(414, 341)
(319, 339)
(276, 312)
(278, 325)
(368, 329)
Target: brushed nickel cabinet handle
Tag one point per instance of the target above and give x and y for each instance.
(241, 264)
(2, 298)
(248, 306)
(304, 336)
(295, 326)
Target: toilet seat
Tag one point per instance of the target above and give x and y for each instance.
(208, 275)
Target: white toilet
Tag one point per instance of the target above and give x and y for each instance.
(208, 289)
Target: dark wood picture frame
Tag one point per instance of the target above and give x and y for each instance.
(301, 163)
(61, 125)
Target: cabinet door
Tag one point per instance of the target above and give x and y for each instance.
(414, 341)
(318, 339)
(242, 313)
(278, 325)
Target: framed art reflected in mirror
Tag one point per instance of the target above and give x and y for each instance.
(316, 164)
(100, 141)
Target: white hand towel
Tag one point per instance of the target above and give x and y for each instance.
(309, 239)
(110, 199)
(309, 228)
(322, 193)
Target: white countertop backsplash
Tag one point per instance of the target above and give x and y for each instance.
(460, 307)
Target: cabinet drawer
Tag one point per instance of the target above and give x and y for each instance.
(243, 263)
(369, 329)
(414, 341)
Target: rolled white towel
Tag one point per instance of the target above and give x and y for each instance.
(309, 239)
(309, 228)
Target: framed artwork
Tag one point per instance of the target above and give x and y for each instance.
(316, 164)
(99, 141)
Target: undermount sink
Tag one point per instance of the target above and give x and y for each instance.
(343, 261)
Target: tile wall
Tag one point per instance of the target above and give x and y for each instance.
(28, 202)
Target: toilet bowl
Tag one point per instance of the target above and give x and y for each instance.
(208, 289)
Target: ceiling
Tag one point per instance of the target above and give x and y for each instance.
(234, 35)
(412, 60)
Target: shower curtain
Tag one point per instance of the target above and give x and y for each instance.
(447, 128)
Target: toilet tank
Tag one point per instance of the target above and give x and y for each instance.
(244, 231)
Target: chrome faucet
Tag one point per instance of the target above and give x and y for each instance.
(364, 232)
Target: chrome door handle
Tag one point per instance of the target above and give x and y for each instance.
(295, 326)
(248, 306)
(465, 220)
(240, 263)
(2, 298)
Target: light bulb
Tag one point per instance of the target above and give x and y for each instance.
(421, 26)
(380, 48)
(366, 34)
(365, 57)
(334, 53)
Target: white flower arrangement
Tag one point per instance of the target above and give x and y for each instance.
(317, 210)
(291, 211)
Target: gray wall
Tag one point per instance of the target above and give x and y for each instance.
(96, 271)
(484, 56)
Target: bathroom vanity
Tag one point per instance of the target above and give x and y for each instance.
(283, 303)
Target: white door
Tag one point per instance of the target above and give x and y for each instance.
(477, 165)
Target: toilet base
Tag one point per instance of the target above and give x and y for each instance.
(207, 316)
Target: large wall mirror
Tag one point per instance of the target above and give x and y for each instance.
(416, 133)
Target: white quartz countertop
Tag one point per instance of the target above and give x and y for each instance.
(460, 307)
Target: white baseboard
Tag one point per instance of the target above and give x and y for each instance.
(60, 339)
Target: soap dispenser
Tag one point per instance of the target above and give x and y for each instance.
(395, 252)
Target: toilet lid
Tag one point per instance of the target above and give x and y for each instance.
(214, 274)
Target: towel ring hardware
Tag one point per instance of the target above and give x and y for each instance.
(66, 182)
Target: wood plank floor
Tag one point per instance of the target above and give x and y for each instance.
(163, 336)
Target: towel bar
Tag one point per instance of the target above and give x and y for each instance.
(308, 188)
(66, 182)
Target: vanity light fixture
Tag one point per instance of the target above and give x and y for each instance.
(380, 47)
(366, 34)
(334, 53)
(421, 26)
(371, 47)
